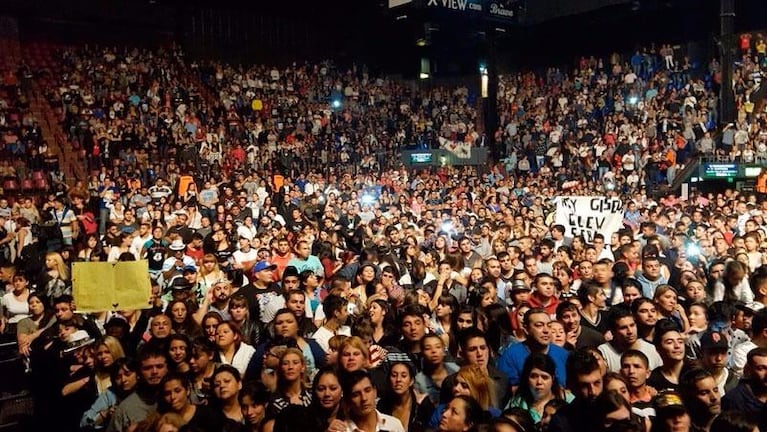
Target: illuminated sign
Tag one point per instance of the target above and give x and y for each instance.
(717, 170)
(421, 158)
(752, 171)
(458, 5)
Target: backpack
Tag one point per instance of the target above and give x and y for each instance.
(88, 223)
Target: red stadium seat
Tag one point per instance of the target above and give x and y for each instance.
(10, 186)
(41, 184)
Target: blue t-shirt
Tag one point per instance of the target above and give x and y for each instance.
(513, 359)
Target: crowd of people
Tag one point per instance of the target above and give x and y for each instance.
(303, 280)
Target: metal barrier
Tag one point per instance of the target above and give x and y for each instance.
(16, 405)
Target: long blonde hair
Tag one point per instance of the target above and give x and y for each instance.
(60, 266)
(480, 384)
(209, 257)
(114, 346)
(304, 375)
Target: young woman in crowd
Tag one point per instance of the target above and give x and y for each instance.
(182, 321)
(175, 390)
(292, 382)
(499, 329)
(91, 250)
(326, 396)
(442, 318)
(667, 305)
(538, 386)
(697, 317)
(209, 273)
(517, 317)
(231, 349)
(253, 399)
(381, 318)
(413, 410)
(461, 414)
(107, 351)
(227, 383)
(734, 284)
(55, 281)
(434, 368)
(286, 326)
(472, 382)
(40, 318)
(179, 353)
(202, 365)
(210, 322)
(250, 328)
(15, 303)
(124, 377)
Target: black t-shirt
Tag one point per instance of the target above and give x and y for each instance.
(155, 254)
(206, 419)
(589, 337)
(659, 382)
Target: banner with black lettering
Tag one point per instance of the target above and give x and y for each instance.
(587, 216)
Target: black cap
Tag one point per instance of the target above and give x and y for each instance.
(179, 284)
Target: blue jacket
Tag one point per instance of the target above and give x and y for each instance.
(106, 400)
(513, 359)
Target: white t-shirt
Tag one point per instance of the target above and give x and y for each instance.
(322, 336)
(385, 423)
(613, 357)
(241, 257)
(241, 358)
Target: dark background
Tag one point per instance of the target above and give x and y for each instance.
(365, 31)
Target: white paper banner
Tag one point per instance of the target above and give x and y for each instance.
(587, 216)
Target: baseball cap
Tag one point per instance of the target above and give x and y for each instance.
(290, 271)
(669, 401)
(263, 265)
(712, 340)
(189, 269)
(519, 285)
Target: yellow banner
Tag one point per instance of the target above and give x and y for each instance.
(103, 286)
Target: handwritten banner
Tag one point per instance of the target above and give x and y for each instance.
(587, 216)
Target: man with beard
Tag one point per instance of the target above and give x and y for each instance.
(750, 395)
(584, 378)
(153, 366)
(701, 397)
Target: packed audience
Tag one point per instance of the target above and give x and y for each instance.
(293, 292)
